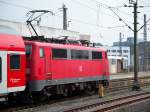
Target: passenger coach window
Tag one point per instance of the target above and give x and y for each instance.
(14, 61)
(106, 55)
(96, 55)
(59, 53)
(41, 51)
(79, 54)
(0, 69)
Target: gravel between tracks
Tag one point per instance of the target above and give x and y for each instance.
(61, 106)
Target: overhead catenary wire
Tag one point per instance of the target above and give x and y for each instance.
(121, 19)
(79, 21)
(16, 5)
(93, 9)
(143, 25)
(114, 28)
(115, 8)
(107, 7)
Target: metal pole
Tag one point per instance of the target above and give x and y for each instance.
(120, 44)
(64, 17)
(136, 85)
(145, 28)
(145, 39)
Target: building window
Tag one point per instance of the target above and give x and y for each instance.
(79, 54)
(125, 51)
(125, 56)
(113, 61)
(0, 69)
(28, 49)
(96, 55)
(14, 61)
(119, 51)
(113, 50)
(59, 53)
(41, 51)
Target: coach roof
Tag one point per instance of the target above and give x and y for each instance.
(65, 46)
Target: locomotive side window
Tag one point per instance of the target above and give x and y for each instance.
(0, 69)
(79, 54)
(41, 51)
(59, 53)
(14, 61)
(28, 49)
(96, 55)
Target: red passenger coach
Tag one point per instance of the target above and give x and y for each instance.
(55, 67)
(12, 62)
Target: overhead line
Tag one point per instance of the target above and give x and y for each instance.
(91, 8)
(20, 6)
(80, 21)
(121, 19)
(87, 23)
(107, 7)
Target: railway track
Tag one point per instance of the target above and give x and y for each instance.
(116, 87)
(109, 105)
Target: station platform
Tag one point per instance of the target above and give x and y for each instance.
(128, 75)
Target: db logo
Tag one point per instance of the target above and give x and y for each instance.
(80, 68)
(14, 80)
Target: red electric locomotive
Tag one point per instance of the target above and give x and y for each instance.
(41, 68)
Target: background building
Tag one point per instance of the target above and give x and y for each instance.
(119, 59)
(144, 56)
(117, 52)
(129, 42)
(116, 64)
(48, 32)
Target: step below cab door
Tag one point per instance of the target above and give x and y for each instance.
(3, 72)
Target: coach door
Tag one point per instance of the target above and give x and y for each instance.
(3, 72)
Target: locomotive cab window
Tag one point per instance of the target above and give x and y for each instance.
(41, 52)
(0, 69)
(28, 50)
(96, 55)
(59, 53)
(14, 61)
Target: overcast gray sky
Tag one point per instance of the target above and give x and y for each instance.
(87, 16)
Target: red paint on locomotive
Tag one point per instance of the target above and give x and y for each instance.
(47, 68)
(38, 68)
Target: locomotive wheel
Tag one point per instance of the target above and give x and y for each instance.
(12, 99)
(26, 97)
(65, 92)
(89, 90)
(40, 96)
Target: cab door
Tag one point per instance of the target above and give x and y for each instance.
(48, 59)
(3, 72)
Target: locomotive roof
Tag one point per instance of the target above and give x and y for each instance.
(11, 42)
(65, 46)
